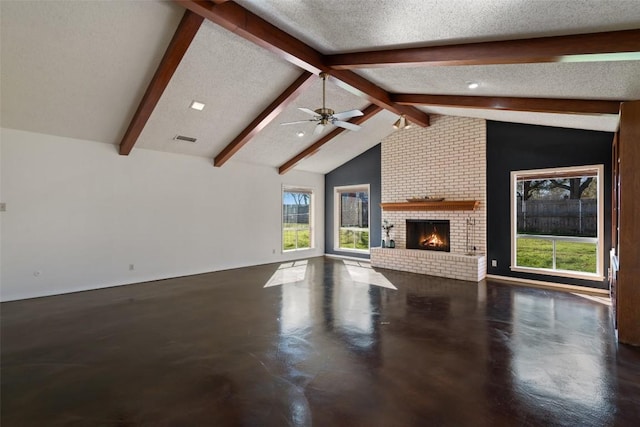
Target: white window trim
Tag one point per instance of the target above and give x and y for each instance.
(312, 192)
(599, 274)
(336, 216)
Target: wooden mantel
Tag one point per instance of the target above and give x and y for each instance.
(445, 205)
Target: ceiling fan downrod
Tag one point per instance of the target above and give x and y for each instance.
(324, 112)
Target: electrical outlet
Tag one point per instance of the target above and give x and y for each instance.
(131, 267)
(3, 207)
(494, 263)
(273, 251)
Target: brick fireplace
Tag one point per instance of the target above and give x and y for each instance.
(446, 159)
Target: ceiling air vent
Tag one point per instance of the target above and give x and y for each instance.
(184, 138)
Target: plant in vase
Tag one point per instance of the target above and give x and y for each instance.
(387, 228)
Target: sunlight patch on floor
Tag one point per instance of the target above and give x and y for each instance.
(361, 272)
(288, 272)
(601, 300)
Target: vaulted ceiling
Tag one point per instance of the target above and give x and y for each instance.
(125, 73)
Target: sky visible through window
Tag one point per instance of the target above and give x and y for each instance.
(288, 198)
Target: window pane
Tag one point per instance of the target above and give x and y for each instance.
(558, 206)
(558, 210)
(288, 239)
(296, 209)
(536, 253)
(354, 209)
(353, 221)
(362, 241)
(296, 221)
(576, 256)
(304, 240)
(346, 238)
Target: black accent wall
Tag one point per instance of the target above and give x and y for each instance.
(364, 169)
(511, 147)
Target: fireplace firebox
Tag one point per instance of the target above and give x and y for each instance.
(428, 235)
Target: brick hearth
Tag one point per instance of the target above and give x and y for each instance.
(454, 266)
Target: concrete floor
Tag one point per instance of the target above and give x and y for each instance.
(319, 346)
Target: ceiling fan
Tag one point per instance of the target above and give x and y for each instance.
(325, 116)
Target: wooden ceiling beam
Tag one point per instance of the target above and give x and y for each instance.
(534, 50)
(539, 105)
(349, 81)
(250, 26)
(186, 31)
(264, 118)
(368, 112)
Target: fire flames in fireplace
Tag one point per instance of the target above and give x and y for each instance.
(429, 235)
(433, 240)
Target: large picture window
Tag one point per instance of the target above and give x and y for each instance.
(297, 220)
(352, 218)
(557, 222)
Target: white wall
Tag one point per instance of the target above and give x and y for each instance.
(78, 214)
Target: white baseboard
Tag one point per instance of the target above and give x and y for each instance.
(351, 258)
(548, 285)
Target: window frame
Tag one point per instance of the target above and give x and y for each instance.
(297, 189)
(600, 235)
(337, 191)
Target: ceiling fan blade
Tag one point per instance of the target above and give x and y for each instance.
(308, 111)
(297, 122)
(346, 115)
(318, 130)
(346, 125)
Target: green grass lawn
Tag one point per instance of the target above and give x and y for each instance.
(347, 239)
(289, 238)
(569, 256)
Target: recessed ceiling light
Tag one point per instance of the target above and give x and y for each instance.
(472, 85)
(197, 105)
(300, 134)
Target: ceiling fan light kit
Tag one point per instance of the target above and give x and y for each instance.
(402, 123)
(324, 116)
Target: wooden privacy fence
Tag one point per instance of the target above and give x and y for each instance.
(353, 213)
(566, 217)
(295, 214)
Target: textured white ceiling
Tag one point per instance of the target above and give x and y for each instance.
(350, 144)
(276, 144)
(602, 122)
(79, 69)
(333, 26)
(235, 79)
(584, 80)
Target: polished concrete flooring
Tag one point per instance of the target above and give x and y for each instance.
(326, 343)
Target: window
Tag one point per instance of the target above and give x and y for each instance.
(557, 222)
(297, 221)
(352, 218)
